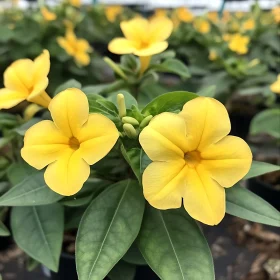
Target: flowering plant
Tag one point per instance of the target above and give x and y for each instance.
(131, 178)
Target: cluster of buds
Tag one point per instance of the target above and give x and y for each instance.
(131, 126)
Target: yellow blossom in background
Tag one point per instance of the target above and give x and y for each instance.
(175, 20)
(226, 16)
(111, 12)
(275, 87)
(48, 15)
(194, 159)
(276, 13)
(184, 14)
(160, 13)
(234, 26)
(68, 24)
(143, 38)
(249, 24)
(75, 47)
(227, 37)
(27, 80)
(202, 25)
(70, 144)
(239, 43)
(239, 14)
(75, 3)
(213, 55)
(213, 16)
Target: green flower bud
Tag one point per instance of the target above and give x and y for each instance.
(115, 67)
(121, 105)
(146, 121)
(130, 120)
(130, 130)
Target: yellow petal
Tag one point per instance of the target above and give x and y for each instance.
(164, 139)
(207, 122)
(160, 29)
(41, 67)
(204, 198)
(67, 175)
(82, 58)
(97, 137)
(163, 184)
(10, 98)
(121, 46)
(69, 110)
(228, 161)
(41, 97)
(83, 45)
(17, 76)
(63, 43)
(43, 144)
(135, 29)
(152, 49)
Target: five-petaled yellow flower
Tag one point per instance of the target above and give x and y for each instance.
(48, 15)
(27, 80)
(201, 25)
(249, 24)
(143, 38)
(112, 12)
(275, 87)
(184, 14)
(239, 43)
(75, 47)
(194, 159)
(68, 145)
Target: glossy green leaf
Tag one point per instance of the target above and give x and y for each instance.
(115, 218)
(4, 230)
(174, 246)
(259, 168)
(122, 271)
(134, 256)
(168, 102)
(18, 171)
(133, 158)
(208, 91)
(30, 191)
(244, 204)
(69, 84)
(266, 122)
(38, 230)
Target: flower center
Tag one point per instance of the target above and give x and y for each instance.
(192, 158)
(74, 143)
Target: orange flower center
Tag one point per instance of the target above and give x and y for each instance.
(192, 158)
(74, 143)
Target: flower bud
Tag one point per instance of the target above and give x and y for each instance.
(115, 67)
(130, 120)
(121, 105)
(130, 131)
(146, 121)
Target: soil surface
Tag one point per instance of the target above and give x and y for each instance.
(241, 250)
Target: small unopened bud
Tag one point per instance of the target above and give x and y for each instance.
(121, 105)
(130, 130)
(254, 62)
(146, 121)
(130, 120)
(115, 67)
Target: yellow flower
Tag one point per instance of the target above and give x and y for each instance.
(249, 24)
(239, 14)
(213, 55)
(112, 12)
(48, 15)
(234, 26)
(202, 25)
(213, 16)
(194, 159)
(276, 12)
(77, 48)
(275, 87)
(143, 38)
(160, 13)
(227, 37)
(226, 16)
(70, 144)
(184, 14)
(239, 43)
(75, 3)
(25, 79)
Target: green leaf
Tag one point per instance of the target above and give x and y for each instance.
(208, 91)
(115, 218)
(31, 264)
(4, 230)
(259, 168)
(6, 34)
(69, 84)
(129, 99)
(30, 191)
(122, 271)
(38, 230)
(266, 122)
(173, 66)
(133, 158)
(5, 141)
(174, 246)
(134, 256)
(24, 127)
(168, 102)
(18, 171)
(244, 204)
